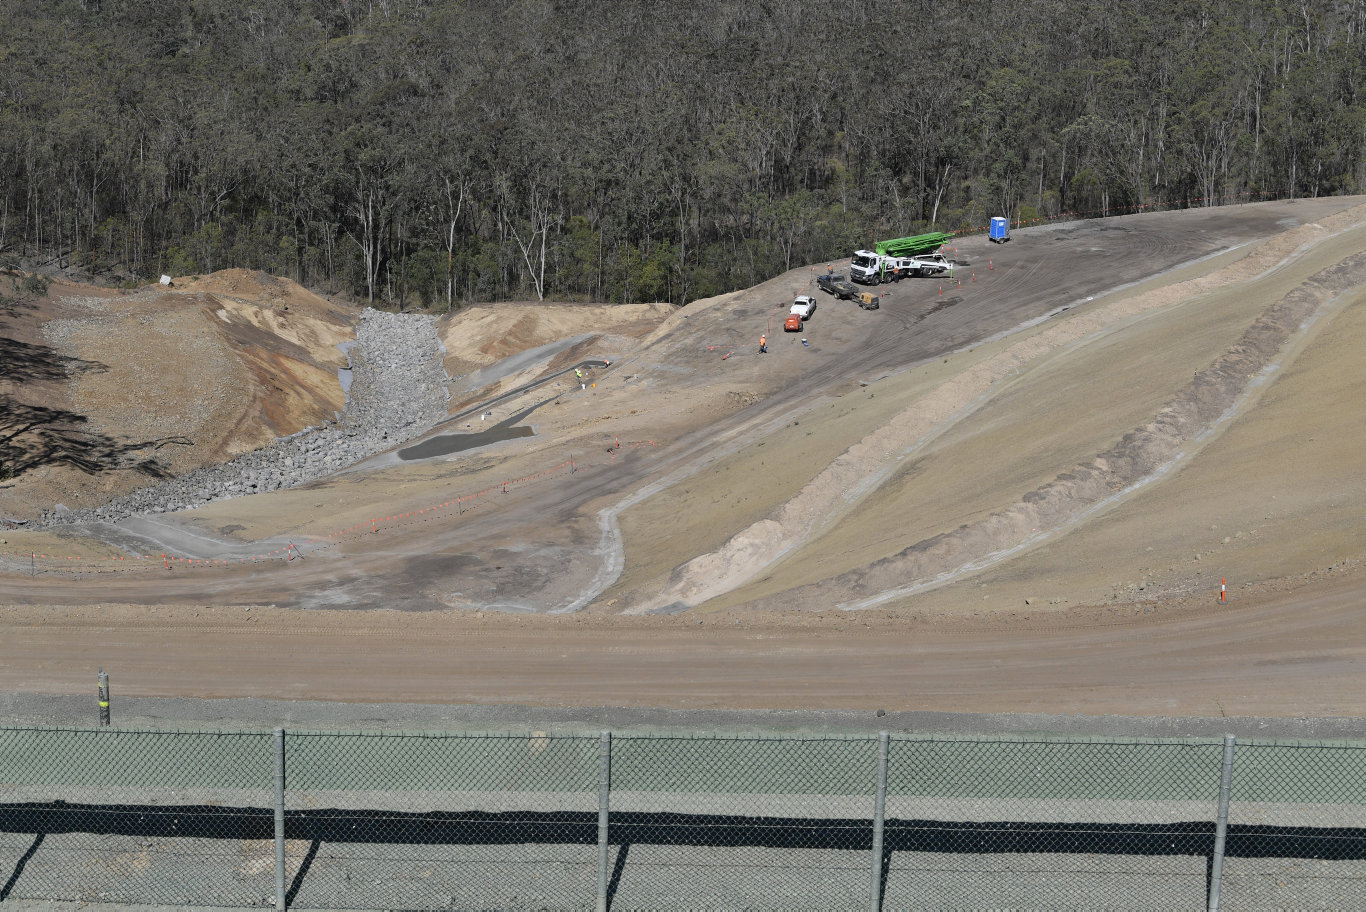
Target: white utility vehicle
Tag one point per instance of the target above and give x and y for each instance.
(804, 306)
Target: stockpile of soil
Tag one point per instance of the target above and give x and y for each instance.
(197, 372)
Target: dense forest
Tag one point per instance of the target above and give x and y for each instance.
(426, 153)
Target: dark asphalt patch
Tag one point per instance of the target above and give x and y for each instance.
(447, 444)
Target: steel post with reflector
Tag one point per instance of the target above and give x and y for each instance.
(104, 699)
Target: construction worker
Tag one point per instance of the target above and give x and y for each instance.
(578, 373)
(763, 345)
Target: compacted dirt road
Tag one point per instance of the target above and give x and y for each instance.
(1291, 653)
(1017, 489)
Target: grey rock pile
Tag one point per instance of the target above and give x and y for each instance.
(398, 391)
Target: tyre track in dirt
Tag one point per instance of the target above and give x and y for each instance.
(1215, 397)
(857, 473)
(671, 660)
(887, 662)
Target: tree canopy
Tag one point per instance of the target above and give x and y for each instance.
(432, 152)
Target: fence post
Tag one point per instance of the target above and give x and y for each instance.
(879, 809)
(604, 797)
(104, 699)
(1216, 871)
(280, 820)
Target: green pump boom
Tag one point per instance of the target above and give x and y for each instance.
(912, 246)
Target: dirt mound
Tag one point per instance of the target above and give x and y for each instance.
(242, 283)
(478, 336)
(185, 375)
(1139, 457)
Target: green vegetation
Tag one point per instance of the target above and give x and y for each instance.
(429, 152)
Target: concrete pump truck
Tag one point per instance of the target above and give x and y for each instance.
(899, 258)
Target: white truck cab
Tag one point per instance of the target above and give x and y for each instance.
(804, 306)
(865, 267)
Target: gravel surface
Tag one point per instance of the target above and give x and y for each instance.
(398, 391)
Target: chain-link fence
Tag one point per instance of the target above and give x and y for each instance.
(1297, 831)
(538, 820)
(1020, 823)
(433, 821)
(110, 815)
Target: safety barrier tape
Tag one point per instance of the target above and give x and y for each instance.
(291, 551)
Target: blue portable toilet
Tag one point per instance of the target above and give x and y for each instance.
(1000, 230)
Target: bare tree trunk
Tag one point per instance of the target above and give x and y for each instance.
(371, 244)
(455, 203)
(534, 244)
(941, 182)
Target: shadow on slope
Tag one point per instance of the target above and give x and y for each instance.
(33, 435)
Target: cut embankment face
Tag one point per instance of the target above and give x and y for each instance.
(1216, 396)
(170, 379)
(1275, 497)
(1133, 418)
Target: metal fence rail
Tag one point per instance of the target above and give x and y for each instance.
(1297, 831)
(538, 820)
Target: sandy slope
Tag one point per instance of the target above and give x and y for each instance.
(1097, 409)
(1024, 491)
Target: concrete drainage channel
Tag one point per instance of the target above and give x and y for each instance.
(398, 392)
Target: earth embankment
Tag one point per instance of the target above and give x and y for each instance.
(1058, 453)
